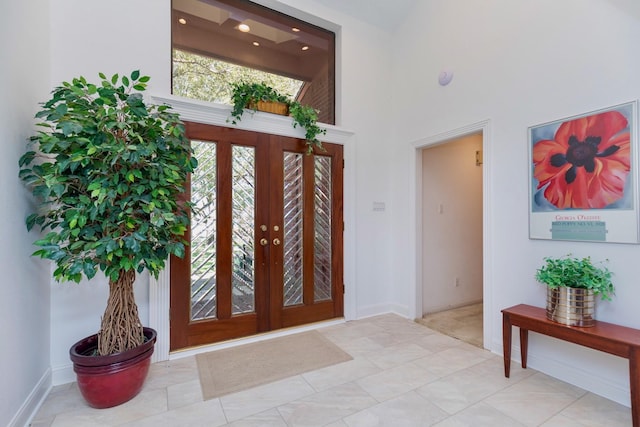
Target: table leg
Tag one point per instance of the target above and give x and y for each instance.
(506, 343)
(524, 345)
(634, 382)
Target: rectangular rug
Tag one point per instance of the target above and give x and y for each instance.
(234, 369)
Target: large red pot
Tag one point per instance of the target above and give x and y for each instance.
(107, 381)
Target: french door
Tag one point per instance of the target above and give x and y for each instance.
(265, 239)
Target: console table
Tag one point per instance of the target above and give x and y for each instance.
(613, 339)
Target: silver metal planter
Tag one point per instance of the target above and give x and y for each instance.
(571, 306)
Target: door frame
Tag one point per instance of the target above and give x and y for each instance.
(416, 232)
(218, 114)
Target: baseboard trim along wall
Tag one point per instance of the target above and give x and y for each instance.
(33, 402)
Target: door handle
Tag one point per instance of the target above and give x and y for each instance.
(263, 242)
(276, 241)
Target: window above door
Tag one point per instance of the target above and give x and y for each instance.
(216, 42)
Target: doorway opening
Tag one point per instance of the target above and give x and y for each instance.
(451, 235)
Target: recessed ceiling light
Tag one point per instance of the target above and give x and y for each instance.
(182, 21)
(295, 30)
(305, 47)
(244, 28)
(256, 44)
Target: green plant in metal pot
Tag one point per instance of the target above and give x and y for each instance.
(109, 170)
(572, 272)
(245, 95)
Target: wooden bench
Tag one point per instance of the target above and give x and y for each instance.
(607, 337)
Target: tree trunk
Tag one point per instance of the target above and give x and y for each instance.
(121, 329)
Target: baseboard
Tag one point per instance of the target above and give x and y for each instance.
(400, 310)
(33, 402)
(439, 308)
(602, 386)
(63, 374)
(377, 310)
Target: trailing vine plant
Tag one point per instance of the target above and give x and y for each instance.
(245, 95)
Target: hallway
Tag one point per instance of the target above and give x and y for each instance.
(402, 374)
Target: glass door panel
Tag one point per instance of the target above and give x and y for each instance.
(322, 229)
(203, 232)
(243, 220)
(293, 225)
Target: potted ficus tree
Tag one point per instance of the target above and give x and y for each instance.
(109, 170)
(260, 96)
(572, 286)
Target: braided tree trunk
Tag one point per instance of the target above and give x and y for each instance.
(120, 329)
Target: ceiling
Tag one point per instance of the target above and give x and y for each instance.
(385, 14)
(389, 14)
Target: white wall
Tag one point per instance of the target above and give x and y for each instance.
(116, 41)
(451, 224)
(24, 294)
(517, 64)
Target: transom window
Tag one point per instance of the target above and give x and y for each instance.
(217, 42)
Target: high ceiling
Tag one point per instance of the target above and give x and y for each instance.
(389, 14)
(385, 14)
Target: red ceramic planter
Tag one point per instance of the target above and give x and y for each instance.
(107, 381)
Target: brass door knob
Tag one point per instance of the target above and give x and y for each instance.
(276, 241)
(263, 242)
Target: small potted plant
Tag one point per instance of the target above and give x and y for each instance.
(572, 285)
(109, 171)
(260, 96)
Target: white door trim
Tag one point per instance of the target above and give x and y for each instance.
(415, 208)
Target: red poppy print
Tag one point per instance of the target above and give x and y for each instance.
(586, 164)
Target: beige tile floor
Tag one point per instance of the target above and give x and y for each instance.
(402, 374)
(464, 323)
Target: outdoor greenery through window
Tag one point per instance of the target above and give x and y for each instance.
(219, 42)
(208, 79)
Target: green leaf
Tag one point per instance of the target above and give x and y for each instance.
(26, 158)
(135, 74)
(69, 128)
(89, 269)
(61, 109)
(32, 220)
(76, 245)
(94, 185)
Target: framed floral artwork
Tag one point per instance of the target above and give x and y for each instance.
(584, 177)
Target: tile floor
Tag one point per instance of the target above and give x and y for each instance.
(463, 323)
(402, 374)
